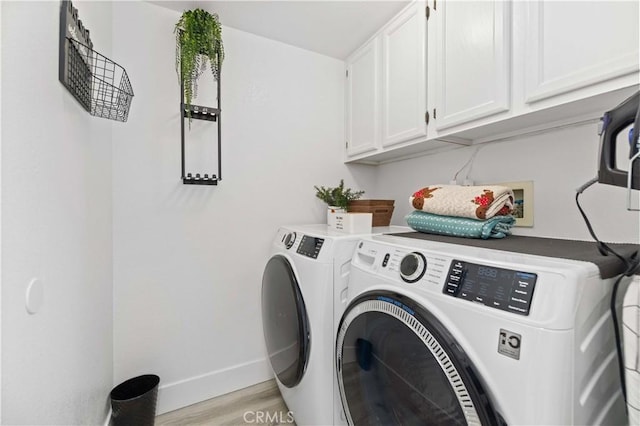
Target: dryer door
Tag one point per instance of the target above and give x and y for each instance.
(285, 322)
(398, 365)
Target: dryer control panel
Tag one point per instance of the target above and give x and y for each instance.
(310, 246)
(498, 288)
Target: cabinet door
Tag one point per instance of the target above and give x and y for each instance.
(473, 56)
(571, 45)
(363, 104)
(404, 76)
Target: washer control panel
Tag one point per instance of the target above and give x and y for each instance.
(310, 246)
(498, 288)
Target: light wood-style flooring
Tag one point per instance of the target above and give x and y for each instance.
(260, 404)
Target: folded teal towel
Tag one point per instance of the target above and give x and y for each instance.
(496, 227)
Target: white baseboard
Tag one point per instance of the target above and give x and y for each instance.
(173, 396)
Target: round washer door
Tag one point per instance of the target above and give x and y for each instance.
(285, 322)
(398, 365)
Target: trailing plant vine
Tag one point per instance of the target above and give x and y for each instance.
(198, 43)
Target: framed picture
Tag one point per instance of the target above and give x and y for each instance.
(523, 201)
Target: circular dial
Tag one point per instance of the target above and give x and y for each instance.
(413, 267)
(289, 239)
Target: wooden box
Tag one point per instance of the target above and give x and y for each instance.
(381, 209)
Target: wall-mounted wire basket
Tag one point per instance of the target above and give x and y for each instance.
(99, 84)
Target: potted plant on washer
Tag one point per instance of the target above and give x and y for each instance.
(198, 43)
(337, 198)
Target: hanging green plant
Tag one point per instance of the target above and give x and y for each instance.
(198, 43)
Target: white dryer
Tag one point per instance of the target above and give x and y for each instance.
(443, 334)
(308, 267)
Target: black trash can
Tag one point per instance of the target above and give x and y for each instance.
(133, 402)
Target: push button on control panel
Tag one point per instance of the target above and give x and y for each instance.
(520, 297)
(456, 272)
(385, 261)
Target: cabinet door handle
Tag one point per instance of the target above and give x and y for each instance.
(426, 117)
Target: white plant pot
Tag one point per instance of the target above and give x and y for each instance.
(331, 215)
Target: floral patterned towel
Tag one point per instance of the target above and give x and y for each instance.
(473, 202)
(496, 227)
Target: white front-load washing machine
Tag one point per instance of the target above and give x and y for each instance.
(308, 267)
(442, 334)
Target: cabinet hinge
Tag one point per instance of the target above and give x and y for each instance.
(346, 144)
(426, 117)
(427, 12)
(434, 113)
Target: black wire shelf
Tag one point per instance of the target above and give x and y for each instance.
(100, 85)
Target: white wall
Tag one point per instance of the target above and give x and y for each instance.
(188, 260)
(557, 162)
(56, 226)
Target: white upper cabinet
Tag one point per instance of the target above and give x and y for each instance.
(363, 99)
(404, 76)
(444, 73)
(387, 91)
(473, 60)
(574, 45)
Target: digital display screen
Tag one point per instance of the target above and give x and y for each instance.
(499, 288)
(310, 246)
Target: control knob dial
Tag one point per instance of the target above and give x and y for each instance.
(289, 239)
(412, 267)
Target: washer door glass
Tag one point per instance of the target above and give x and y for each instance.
(397, 365)
(285, 322)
